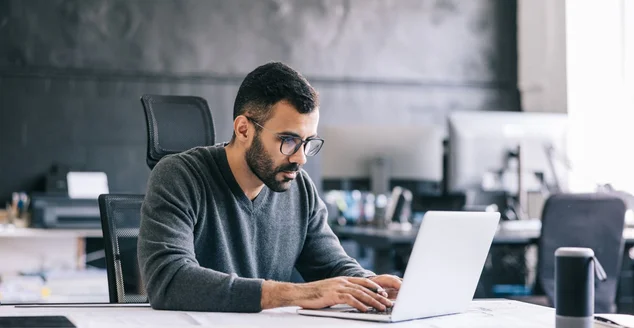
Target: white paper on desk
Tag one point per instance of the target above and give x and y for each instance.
(618, 320)
(86, 184)
(138, 319)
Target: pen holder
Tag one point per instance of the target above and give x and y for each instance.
(4, 216)
(575, 269)
(11, 213)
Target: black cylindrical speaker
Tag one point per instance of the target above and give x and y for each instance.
(574, 287)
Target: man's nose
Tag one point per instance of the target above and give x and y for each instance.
(299, 157)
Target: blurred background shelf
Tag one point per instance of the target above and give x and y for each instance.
(48, 233)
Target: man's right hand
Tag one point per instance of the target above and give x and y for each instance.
(359, 293)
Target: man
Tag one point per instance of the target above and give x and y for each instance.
(222, 227)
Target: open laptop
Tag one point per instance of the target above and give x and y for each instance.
(443, 269)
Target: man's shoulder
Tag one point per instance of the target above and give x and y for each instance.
(305, 183)
(304, 175)
(192, 160)
(194, 155)
(202, 153)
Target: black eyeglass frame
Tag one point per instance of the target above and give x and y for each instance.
(284, 138)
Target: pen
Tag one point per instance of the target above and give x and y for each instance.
(380, 291)
(15, 199)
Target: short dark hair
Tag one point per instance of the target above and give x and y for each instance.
(270, 83)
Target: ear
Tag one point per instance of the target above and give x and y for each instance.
(241, 128)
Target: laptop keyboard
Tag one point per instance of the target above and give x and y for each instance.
(372, 311)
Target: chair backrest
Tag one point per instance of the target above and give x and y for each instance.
(120, 222)
(176, 124)
(595, 221)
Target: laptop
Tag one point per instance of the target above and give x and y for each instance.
(443, 269)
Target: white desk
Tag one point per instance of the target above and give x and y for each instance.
(486, 313)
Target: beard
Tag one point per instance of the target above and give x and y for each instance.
(262, 166)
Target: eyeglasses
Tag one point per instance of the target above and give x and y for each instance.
(291, 144)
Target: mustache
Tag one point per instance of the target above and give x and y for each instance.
(293, 167)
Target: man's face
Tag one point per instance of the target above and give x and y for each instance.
(264, 158)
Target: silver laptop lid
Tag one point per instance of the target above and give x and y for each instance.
(445, 264)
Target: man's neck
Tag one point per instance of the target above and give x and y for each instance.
(248, 182)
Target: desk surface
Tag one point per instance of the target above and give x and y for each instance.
(487, 313)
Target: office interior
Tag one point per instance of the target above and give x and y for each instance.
(511, 106)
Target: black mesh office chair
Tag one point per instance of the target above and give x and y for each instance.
(583, 220)
(120, 221)
(176, 124)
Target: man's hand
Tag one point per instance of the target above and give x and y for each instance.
(359, 293)
(391, 284)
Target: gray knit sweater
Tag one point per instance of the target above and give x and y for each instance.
(204, 246)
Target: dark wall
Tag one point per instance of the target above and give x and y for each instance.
(72, 71)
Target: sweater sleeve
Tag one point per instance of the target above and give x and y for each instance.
(323, 256)
(171, 274)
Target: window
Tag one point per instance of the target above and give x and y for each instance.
(600, 81)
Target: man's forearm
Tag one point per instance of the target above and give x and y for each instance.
(277, 294)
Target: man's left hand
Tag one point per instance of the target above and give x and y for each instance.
(391, 284)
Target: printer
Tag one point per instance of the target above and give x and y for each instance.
(63, 212)
(70, 200)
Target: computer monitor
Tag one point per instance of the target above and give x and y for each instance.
(412, 153)
(480, 142)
